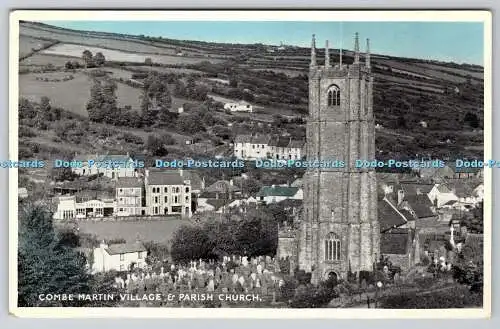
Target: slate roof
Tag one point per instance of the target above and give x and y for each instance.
(286, 191)
(462, 189)
(394, 242)
(125, 248)
(222, 186)
(128, 182)
(194, 179)
(290, 203)
(296, 144)
(416, 188)
(389, 217)
(443, 188)
(421, 205)
(164, 177)
(216, 203)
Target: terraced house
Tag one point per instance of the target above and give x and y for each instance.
(167, 193)
(250, 147)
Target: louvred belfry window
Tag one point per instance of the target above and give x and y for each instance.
(333, 96)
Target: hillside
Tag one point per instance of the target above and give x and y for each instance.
(424, 108)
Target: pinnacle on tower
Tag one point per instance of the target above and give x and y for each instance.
(367, 56)
(356, 48)
(327, 55)
(313, 50)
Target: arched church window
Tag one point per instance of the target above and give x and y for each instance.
(333, 95)
(332, 247)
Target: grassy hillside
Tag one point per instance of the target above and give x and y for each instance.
(422, 107)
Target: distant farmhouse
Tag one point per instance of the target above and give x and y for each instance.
(249, 147)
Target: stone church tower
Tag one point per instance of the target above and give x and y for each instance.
(340, 231)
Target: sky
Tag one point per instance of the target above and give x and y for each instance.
(460, 42)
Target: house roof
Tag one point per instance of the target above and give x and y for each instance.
(421, 205)
(298, 182)
(287, 191)
(296, 144)
(260, 139)
(462, 189)
(116, 157)
(164, 177)
(394, 242)
(243, 139)
(389, 216)
(216, 203)
(194, 179)
(449, 203)
(416, 188)
(222, 186)
(279, 141)
(443, 188)
(128, 182)
(290, 203)
(125, 248)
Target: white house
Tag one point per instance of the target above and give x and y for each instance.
(167, 193)
(111, 166)
(440, 194)
(68, 208)
(129, 197)
(119, 257)
(273, 194)
(250, 147)
(238, 107)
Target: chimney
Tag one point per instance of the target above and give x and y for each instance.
(181, 172)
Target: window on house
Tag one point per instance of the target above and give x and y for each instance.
(166, 199)
(122, 257)
(333, 96)
(140, 255)
(121, 190)
(176, 199)
(122, 268)
(187, 189)
(332, 247)
(187, 198)
(156, 199)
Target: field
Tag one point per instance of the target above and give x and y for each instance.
(154, 230)
(29, 45)
(75, 100)
(39, 59)
(72, 50)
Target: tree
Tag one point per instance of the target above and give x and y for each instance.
(190, 243)
(156, 99)
(87, 58)
(99, 59)
(45, 265)
(155, 146)
(103, 106)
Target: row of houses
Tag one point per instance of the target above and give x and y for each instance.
(159, 192)
(250, 147)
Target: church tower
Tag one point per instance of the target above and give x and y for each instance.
(340, 231)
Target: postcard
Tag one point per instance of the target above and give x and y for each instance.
(250, 164)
